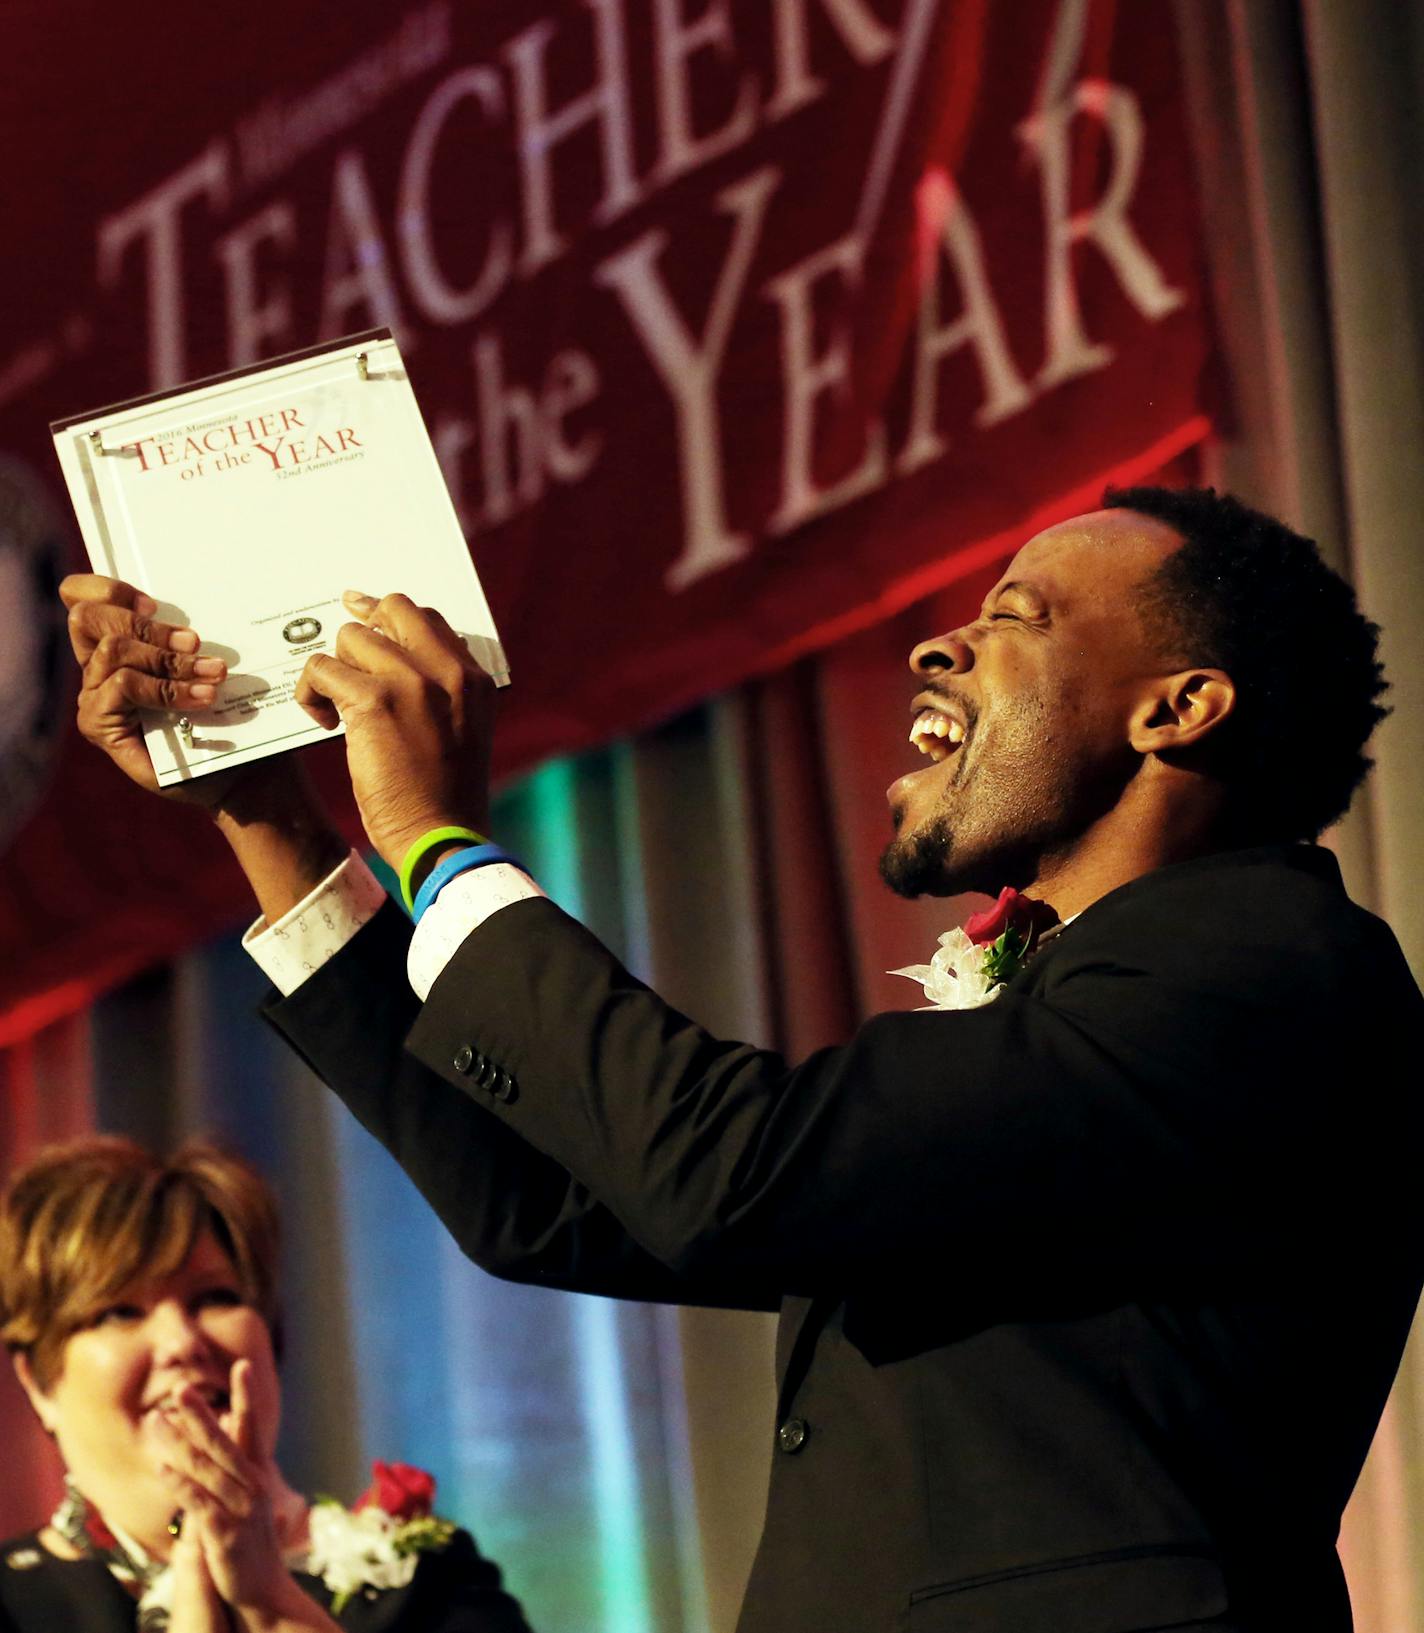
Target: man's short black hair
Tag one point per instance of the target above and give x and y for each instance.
(1247, 595)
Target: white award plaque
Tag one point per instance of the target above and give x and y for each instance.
(246, 503)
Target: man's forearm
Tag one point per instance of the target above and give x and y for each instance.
(282, 838)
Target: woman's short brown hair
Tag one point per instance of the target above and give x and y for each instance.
(82, 1221)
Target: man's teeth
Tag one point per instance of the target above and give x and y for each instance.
(936, 734)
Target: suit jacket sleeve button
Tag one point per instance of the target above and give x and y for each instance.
(791, 1436)
(464, 1058)
(506, 1090)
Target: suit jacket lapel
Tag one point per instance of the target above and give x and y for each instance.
(801, 1325)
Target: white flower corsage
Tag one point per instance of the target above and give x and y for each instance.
(368, 1547)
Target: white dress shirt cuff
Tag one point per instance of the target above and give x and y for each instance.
(318, 927)
(462, 906)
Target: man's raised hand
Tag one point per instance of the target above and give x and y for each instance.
(129, 661)
(418, 712)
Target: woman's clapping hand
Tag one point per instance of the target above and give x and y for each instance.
(230, 1552)
(195, 1606)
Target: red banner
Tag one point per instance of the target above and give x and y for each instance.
(737, 324)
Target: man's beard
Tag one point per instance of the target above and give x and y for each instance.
(1002, 803)
(924, 864)
(1002, 832)
(915, 864)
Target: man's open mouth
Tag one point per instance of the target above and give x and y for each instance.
(936, 734)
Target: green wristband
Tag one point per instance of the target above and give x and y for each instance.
(422, 847)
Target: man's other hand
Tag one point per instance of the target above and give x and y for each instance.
(129, 660)
(418, 712)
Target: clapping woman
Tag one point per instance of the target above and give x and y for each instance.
(138, 1300)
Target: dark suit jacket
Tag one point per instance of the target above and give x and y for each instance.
(453, 1591)
(1090, 1298)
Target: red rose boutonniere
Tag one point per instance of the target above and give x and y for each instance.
(974, 963)
(1010, 929)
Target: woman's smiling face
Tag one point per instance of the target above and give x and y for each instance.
(144, 1346)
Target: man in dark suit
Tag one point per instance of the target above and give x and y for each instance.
(1091, 1294)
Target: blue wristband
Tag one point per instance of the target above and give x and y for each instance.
(461, 861)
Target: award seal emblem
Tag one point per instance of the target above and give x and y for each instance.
(301, 630)
(32, 655)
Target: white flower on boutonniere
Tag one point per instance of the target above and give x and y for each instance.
(974, 964)
(377, 1543)
(958, 976)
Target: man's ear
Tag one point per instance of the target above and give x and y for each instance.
(1182, 710)
(43, 1405)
